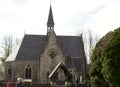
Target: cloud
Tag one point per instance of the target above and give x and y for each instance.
(69, 16)
(106, 19)
(19, 1)
(102, 19)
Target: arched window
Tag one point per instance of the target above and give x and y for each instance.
(28, 72)
(10, 71)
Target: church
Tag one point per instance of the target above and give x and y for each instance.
(44, 58)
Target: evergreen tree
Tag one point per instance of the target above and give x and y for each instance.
(111, 60)
(96, 76)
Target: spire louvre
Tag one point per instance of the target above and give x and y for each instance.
(50, 22)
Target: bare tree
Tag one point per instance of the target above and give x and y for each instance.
(6, 47)
(90, 40)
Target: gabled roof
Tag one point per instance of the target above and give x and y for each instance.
(72, 45)
(33, 45)
(62, 66)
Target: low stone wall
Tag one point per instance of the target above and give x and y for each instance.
(43, 85)
(27, 85)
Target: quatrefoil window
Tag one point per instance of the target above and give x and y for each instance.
(52, 54)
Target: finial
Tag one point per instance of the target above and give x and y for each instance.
(50, 2)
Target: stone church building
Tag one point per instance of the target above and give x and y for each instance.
(41, 58)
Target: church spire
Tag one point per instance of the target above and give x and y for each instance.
(50, 22)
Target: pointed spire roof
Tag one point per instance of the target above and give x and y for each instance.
(50, 22)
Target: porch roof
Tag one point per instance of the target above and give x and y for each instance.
(62, 66)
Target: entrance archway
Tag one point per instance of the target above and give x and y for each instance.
(60, 75)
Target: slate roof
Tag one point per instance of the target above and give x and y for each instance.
(33, 45)
(71, 45)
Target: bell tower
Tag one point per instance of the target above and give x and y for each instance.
(50, 22)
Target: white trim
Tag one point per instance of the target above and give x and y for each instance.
(54, 69)
(13, 55)
(27, 80)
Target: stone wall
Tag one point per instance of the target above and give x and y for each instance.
(45, 85)
(27, 85)
(18, 70)
(47, 63)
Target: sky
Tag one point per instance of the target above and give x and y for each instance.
(71, 17)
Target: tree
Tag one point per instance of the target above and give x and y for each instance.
(96, 76)
(6, 47)
(111, 60)
(90, 40)
(90, 43)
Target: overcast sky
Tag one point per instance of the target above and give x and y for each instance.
(70, 16)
